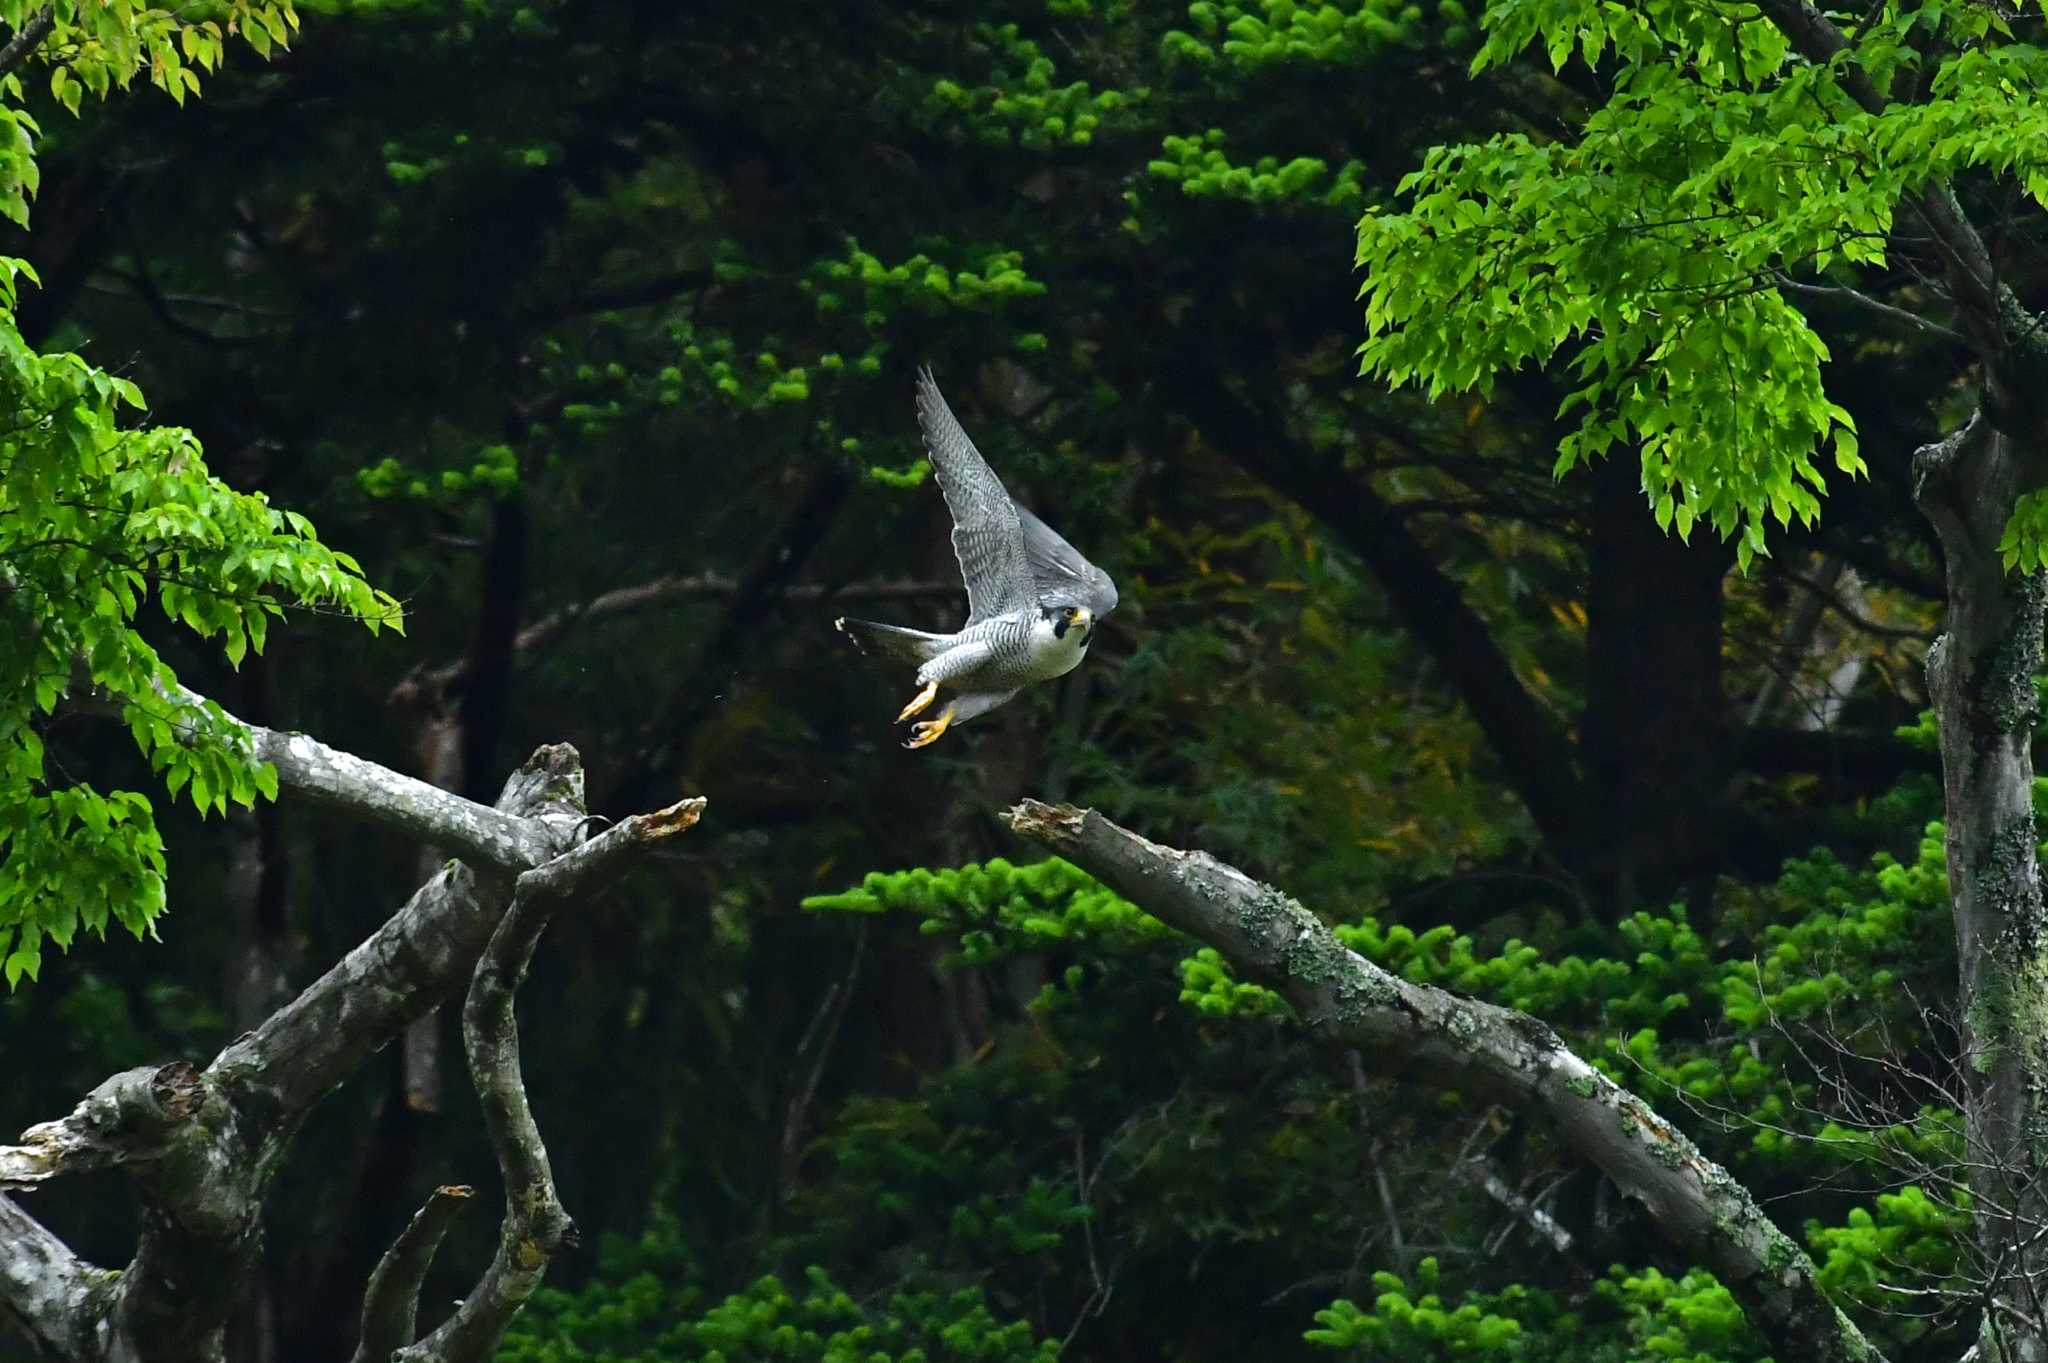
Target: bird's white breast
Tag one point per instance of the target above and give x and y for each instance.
(1054, 655)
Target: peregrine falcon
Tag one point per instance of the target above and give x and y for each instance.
(1032, 600)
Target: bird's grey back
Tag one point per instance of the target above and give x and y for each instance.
(1064, 577)
(988, 536)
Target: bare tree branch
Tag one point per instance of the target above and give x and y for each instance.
(391, 1301)
(131, 1116)
(667, 591)
(333, 779)
(411, 963)
(1864, 300)
(329, 778)
(536, 1224)
(1347, 1001)
(49, 1291)
(1540, 1222)
(203, 1145)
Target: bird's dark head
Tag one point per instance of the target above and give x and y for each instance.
(1064, 618)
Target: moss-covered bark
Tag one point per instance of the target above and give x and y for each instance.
(1981, 675)
(203, 1147)
(1440, 1037)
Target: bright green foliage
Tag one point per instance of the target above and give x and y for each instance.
(998, 909)
(1910, 1242)
(1401, 1326)
(857, 301)
(104, 45)
(1240, 44)
(850, 307)
(645, 1308)
(1023, 103)
(1627, 1316)
(1711, 1024)
(494, 472)
(96, 520)
(1204, 170)
(1208, 985)
(1281, 33)
(1647, 251)
(864, 284)
(2023, 546)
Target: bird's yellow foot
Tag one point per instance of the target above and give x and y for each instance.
(927, 733)
(919, 701)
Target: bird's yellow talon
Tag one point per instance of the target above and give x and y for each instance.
(927, 733)
(919, 701)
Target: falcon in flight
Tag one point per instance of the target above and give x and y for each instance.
(1032, 600)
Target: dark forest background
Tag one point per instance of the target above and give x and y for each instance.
(589, 328)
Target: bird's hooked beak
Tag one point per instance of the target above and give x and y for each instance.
(1085, 618)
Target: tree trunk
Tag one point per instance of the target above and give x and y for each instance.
(1653, 736)
(486, 686)
(1980, 673)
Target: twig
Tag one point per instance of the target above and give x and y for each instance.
(1525, 1211)
(666, 591)
(1865, 301)
(822, 1032)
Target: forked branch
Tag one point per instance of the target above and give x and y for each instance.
(536, 1225)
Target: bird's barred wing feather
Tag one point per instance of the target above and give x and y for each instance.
(988, 535)
(1063, 576)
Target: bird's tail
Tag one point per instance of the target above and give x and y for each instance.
(892, 641)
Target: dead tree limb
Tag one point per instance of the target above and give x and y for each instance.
(1348, 1002)
(536, 1224)
(201, 1146)
(391, 1302)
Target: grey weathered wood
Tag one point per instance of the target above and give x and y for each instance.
(201, 1146)
(536, 1224)
(1348, 1002)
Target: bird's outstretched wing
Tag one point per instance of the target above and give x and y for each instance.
(1062, 575)
(988, 535)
